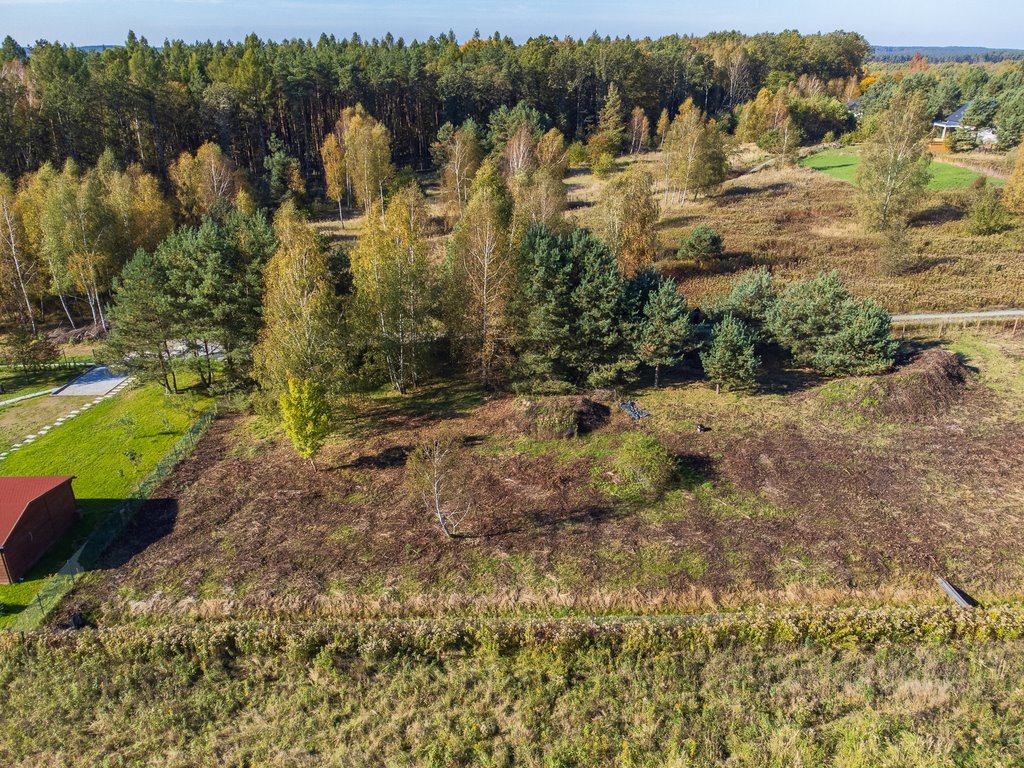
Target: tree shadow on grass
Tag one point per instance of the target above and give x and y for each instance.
(551, 520)
(420, 408)
(152, 521)
(934, 215)
(395, 456)
(737, 191)
(786, 381)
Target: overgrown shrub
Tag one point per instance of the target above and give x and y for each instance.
(962, 140)
(986, 216)
(642, 468)
(603, 164)
(702, 244)
(577, 154)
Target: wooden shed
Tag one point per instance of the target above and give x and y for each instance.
(34, 513)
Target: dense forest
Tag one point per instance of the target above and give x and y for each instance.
(943, 53)
(149, 104)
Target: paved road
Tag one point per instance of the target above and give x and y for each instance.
(954, 317)
(92, 383)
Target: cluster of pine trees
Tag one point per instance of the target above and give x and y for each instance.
(149, 104)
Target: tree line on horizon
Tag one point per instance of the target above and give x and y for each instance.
(149, 104)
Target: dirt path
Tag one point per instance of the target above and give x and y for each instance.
(953, 317)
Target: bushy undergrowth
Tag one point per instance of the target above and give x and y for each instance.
(642, 468)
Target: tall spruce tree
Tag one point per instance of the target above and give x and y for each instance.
(666, 333)
(730, 362)
(610, 121)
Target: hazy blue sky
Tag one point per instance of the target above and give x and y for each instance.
(995, 23)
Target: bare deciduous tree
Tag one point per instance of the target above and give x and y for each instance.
(431, 472)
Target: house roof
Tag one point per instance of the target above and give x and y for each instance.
(954, 120)
(17, 492)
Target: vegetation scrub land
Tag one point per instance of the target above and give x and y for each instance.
(752, 506)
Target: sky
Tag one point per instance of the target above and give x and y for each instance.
(882, 22)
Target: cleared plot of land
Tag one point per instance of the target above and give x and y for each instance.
(835, 491)
(842, 164)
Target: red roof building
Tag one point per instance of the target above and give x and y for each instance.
(34, 513)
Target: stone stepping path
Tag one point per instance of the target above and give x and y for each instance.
(44, 430)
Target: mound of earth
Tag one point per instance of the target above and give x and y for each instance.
(930, 386)
(560, 416)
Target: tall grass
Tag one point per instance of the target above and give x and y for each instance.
(419, 695)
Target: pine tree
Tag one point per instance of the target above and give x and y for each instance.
(610, 122)
(572, 312)
(750, 301)
(665, 332)
(306, 416)
(730, 362)
(143, 319)
(826, 328)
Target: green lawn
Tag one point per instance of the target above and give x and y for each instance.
(17, 382)
(842, 164)
(109, 449)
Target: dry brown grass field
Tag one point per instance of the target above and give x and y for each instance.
(799, 222)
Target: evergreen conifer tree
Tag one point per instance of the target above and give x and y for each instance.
(730, 362)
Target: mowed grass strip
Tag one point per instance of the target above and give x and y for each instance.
(842, 164)
(109, 448)
(18, 382)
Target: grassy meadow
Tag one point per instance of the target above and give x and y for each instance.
(534, 694)
(842, 164)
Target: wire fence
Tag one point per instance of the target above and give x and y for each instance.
(109, 528)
